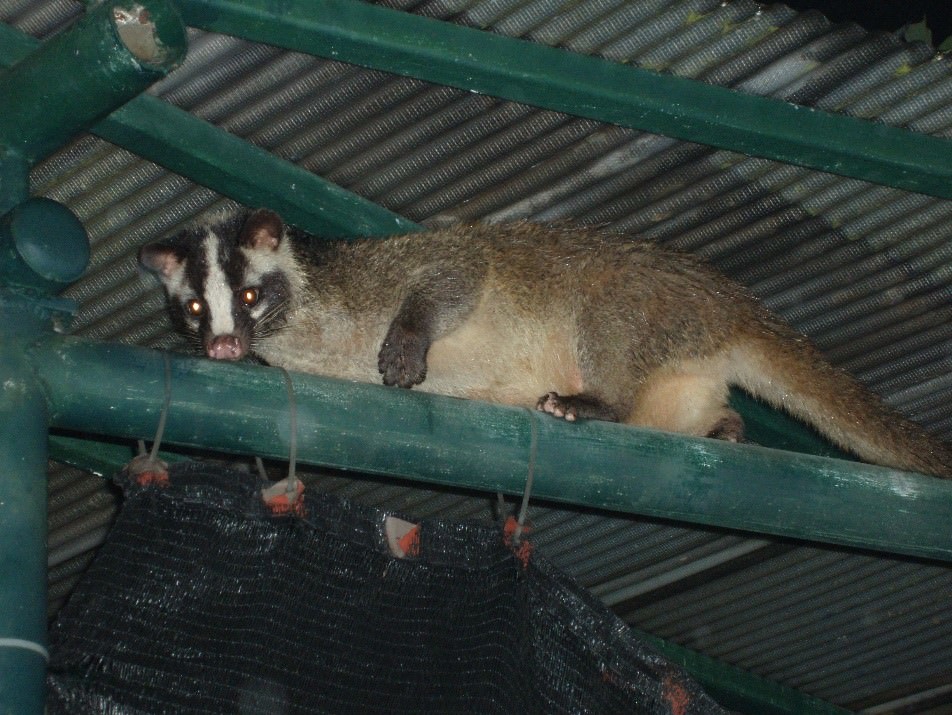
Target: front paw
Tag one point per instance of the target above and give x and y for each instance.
(402, 359)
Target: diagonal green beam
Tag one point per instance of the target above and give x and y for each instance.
(117, 390)
(585, 86)
(210, 156)
(252, 176)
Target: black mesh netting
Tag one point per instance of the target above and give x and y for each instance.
(201, 601)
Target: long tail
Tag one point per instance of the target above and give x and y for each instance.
(788, 372)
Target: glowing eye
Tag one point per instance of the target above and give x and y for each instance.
(249, 296)
(194, 307)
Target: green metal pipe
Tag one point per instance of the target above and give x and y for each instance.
(252, 176)
(440, 52)
(15, 46)
(14, 179)
(118, 390)
(42, 247)
(112, 54)
(522, 71)
(23, 426)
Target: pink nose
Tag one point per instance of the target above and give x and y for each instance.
(225, 347)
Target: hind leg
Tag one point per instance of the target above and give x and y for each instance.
(603, 389)
(690, 400)
(684, 404)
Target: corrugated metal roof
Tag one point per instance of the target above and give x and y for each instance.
(862, 269)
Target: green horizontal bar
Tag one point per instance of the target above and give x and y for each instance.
(86, 72)
(210, 156)
(117, 390)
(585, 86)
(104, 459)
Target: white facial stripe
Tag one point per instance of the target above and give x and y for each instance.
(218, 294)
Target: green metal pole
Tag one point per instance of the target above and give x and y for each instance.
(14, 180)
(42, 249)
(118, 390)
(112, 54)
(23, 423)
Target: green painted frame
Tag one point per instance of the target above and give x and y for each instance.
(114, 52)
(554, 79)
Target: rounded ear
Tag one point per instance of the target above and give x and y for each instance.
(262, 229)
(160, 258)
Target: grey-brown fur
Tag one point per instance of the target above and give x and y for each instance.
(569, 320)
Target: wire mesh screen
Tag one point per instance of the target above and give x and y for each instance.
(202, 601)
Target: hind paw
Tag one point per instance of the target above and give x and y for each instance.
(557, 406)
(573, 407)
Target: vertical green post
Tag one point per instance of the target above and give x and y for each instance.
(14, 179)
(43, 247)
(111, 55)
(23, 422)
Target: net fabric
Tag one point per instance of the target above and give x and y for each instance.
(201, 601)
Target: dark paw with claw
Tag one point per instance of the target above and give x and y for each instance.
(573, 407)
(557, 406)
(402, 359)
